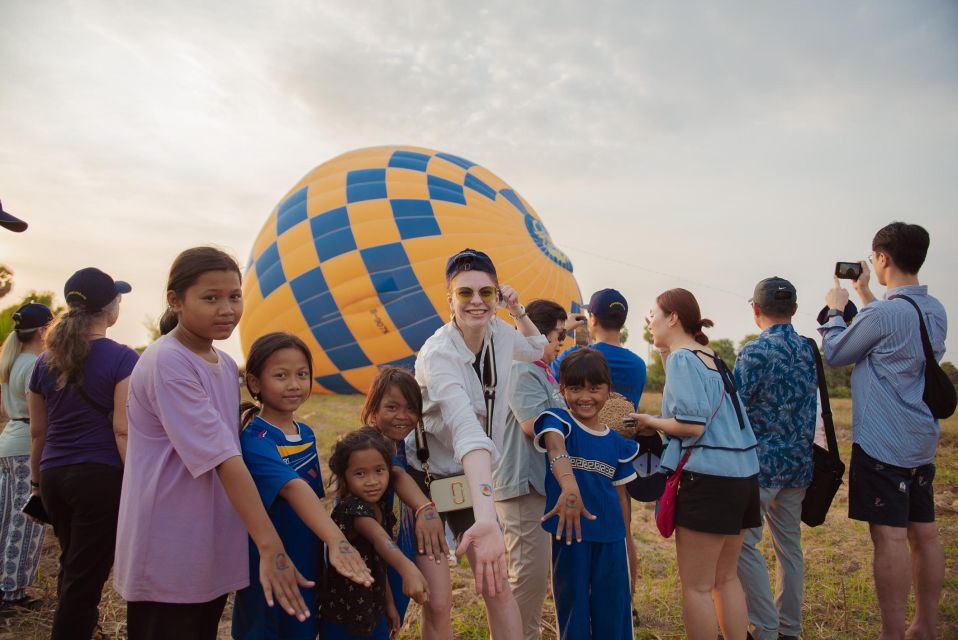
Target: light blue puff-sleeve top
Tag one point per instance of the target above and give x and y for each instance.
(695, 393)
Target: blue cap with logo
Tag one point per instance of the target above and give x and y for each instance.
(608, 303)
(91, 289)
(469, 260)
(32, 315)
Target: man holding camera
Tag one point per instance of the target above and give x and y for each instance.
(777, 382)
(895, 436)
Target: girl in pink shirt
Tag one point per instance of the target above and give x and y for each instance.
(188, 500)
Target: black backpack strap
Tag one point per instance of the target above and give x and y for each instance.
(108, 413)
(925, 340)
(728, 381)
(826, 405)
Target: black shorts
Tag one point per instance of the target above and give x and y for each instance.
(881, 493)
(458, 521)
(716, 504)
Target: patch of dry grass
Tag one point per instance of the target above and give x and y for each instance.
(839, 596)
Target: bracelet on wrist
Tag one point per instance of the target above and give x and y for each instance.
(519, 316)
(422, 508)
(35, 485)
(557, 458)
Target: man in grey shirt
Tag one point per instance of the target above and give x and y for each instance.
(519, 479)
(895, 436)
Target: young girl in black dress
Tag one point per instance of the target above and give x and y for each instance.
(361, 464)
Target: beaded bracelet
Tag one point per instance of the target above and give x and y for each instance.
(423, 508)
(557, 458)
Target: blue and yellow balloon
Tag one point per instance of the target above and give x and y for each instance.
(352, 258)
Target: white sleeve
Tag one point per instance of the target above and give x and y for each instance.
(442, 377)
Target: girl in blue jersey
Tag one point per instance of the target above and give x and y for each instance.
(394, 407)
(281, 456)
(361, 464)
(588, 509)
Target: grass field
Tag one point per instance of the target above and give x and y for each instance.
(839, 597)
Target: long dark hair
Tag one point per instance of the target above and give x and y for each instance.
(68, 343)
(187, 269)
(259, 353)
(390, 376)
(682, 303)
(348, 444)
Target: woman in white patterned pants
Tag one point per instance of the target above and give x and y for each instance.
(21, 537)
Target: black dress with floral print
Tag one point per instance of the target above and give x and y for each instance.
(344, 602)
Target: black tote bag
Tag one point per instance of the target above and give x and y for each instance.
(829, 468)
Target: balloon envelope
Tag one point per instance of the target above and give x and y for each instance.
(352, 258)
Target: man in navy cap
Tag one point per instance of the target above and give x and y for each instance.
(608, 310)
(8, 221)
(777, 381)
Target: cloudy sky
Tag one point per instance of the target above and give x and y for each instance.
(704, 145)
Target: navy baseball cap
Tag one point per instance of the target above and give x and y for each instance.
(469, 260)
(92, 289)
(608, 303)
(8, 221)
(775, 293)
(32, 315)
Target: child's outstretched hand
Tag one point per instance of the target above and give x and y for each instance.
(431, 535)
(570, 509)
(414, 584)
(347, 561)
(393, 623)
(281, 579)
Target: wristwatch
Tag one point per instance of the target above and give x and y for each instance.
(832, 313)
(522, 313)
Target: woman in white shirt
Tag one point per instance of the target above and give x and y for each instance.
(470, 353)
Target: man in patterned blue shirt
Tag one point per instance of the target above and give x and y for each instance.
(776, 379)
(895, 435)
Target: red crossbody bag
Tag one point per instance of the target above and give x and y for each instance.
(665, 509)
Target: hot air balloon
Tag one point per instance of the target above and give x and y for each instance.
(351, 260)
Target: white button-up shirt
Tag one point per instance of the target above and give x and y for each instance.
(454, 407)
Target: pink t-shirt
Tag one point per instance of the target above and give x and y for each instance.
(179, 540)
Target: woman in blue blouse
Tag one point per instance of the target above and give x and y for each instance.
(718, 496)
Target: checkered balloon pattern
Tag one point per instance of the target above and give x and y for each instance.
(352, 259)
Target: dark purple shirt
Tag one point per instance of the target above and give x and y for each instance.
(78, 432)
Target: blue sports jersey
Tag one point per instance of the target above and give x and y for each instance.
(273, 460)
(627, 369)
(600, 461)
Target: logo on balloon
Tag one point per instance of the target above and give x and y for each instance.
(542, 239)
